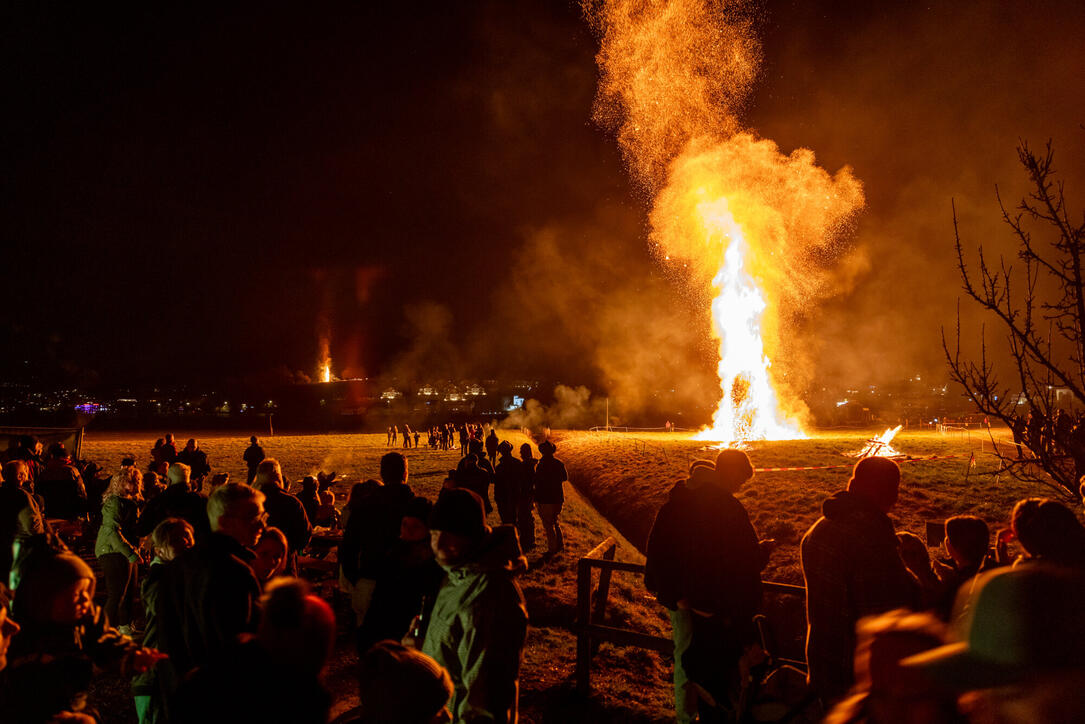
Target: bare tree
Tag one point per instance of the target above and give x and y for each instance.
(1039, 304)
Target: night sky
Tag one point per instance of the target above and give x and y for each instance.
(195, 194)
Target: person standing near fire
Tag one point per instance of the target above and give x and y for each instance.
(704, 564)
(254, 455)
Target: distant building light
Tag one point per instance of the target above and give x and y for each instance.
(841, 403)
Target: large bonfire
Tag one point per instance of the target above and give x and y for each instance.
(755, 226)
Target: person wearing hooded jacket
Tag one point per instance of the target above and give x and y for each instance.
(478, 623)
(704, 563)
(852, 567)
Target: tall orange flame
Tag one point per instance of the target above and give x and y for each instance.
(754, 224)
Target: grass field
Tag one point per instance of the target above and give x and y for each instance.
(628, 477)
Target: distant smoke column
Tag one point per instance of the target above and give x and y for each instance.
(755, 225)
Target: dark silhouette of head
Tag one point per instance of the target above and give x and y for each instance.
(876, 480)
(253, 439)
(733, 469)
(1048, 529)
(393, 468)
(968, 538)
(402, 685)
(296, 628)
(457, 526)
(525, 451)
(547, 448)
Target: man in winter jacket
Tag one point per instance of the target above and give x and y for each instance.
(852, 567)
(507, 482)
(178, 500)
(704, 564)
(550, 476)
(479, 620)
(284, 511)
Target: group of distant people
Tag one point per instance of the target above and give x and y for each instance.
(892, 636)
(1060, 434)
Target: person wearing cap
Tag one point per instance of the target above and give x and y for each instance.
(479, 620)
(63, 637)
(550, 477)
(704, 563)
(507, 479)
(399, 685)
(1017, 644)
(852, 567)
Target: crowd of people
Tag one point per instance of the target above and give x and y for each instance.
(207, 610)
(204, 608)
(977, 635)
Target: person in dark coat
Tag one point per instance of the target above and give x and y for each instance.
(210, 597)
(61, 486)
(372, 530)
(704, 563)
(284, 511)
(254, 455)
(272, 677)
(525, 501)
(178, 500)
(852, 566)
(407, 581)
(550, 477)
(169, 449)
(508, 477)
(310, 497)
(170, 538)
(472, 476)
(196, 459)
(492, 445)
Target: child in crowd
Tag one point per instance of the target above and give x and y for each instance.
(170, 538)
(64, 637)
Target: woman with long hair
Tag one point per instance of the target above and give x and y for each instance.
(117, 546)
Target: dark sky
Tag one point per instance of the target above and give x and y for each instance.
(193, 194)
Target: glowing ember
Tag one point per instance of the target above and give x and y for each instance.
(880, 446)
(756, 226)
(326, 372)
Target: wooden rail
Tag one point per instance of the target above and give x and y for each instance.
(591, 609)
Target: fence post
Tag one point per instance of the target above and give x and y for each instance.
(601, 593)
(583, 615)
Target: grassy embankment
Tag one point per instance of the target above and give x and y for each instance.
(628, 684)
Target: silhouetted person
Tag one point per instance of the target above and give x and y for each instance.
(169, 449)
(704, 564)
(492, 444)
(508, 478)
(284, 511)
(550, 476)
(399, 685)
(310, 497)
(967, 543)
(178, 500)
(1049, 531)
(525, 502)
(479, 621)
(274, 675)
(61, 486)
(196, 459)
(254, 455)
(473, 477)
(407, 580)
(372, 530)
(852, 568)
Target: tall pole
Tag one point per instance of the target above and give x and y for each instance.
(608, 415)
